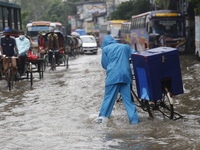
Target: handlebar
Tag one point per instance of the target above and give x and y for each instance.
(4, 56)
(53, 50)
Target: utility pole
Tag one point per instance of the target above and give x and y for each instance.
(68, 31)
(113, 5)
(66, 17)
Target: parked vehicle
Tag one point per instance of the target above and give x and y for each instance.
(112, 27)
(89, 44)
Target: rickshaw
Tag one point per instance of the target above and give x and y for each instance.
(27, 71)
(71, 44)
(63, 57)
(157, 78)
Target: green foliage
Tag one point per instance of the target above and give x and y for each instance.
(123, 11)
(54, 12)
(127, 9)
(35, 7)
(24, 15)
(48, 10)
(196, 4)
(141, 6)
(162, 4)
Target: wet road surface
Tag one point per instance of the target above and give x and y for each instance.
(59, 113)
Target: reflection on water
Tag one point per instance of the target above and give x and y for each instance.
(59, 112)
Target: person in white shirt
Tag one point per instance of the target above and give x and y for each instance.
(23, 45)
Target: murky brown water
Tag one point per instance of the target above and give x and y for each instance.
(59, 112)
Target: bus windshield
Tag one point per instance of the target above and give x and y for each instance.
(32, 34)
(33, 31)
(172, 28)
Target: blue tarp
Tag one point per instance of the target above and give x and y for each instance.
(80, 31)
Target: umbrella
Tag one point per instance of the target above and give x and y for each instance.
(75, 34)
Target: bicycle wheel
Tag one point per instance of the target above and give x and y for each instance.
(166, 106)
(144, 104)
(42, 69)
(46, 61)
(1, 71)
(10, 79)
(74, 53)
(53, 63)
(31, 73)
(66, 61)
(119, 98)
(77, 52)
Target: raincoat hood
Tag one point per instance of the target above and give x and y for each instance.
(108, 39)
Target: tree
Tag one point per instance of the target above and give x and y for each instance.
(196, 4)
(54, 12)
(127, 9)
(123, 12)
(24, 15)
(162, 4)
(34, 9)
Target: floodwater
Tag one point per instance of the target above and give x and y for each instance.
(59, 113)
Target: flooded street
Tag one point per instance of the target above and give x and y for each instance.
(59, 113)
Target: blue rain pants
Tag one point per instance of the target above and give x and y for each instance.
(111, 92)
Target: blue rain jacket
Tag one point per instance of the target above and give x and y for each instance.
(115, 59)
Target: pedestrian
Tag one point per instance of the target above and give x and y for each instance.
(8, 48)
(156, 41)
(41, 41)
(23, 45)
(162, 39)
(115, 60)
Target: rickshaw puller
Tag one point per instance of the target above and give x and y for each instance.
(53, 45)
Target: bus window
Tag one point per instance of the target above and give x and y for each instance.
(12, 19)
(1, 19)
(5, 16)
(169, 27)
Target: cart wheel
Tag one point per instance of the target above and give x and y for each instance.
(166, 105)
(144, 104)
(148, 109)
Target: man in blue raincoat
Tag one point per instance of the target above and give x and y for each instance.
(115, 60)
